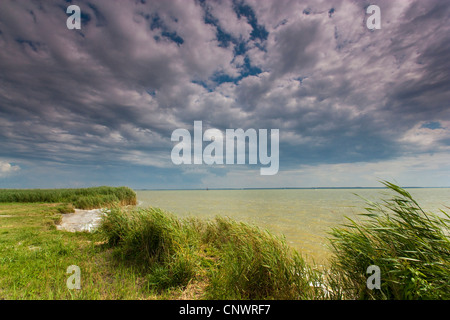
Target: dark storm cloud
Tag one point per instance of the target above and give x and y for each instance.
(112, 92)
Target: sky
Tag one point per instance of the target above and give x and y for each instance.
(98, 105)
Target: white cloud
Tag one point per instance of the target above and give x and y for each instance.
(426, 139)
(6, 168)
(426, 170)
(228, 20)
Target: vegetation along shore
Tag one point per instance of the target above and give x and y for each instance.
(151, 254)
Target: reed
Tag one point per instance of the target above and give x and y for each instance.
(155, 241)
(410, 246)
(255, 264)
(81, 198)
(234, 260)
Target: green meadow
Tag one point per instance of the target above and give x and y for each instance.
(152, 254)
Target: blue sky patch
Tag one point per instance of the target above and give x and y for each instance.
(433, 125)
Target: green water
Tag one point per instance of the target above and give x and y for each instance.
(303, 216)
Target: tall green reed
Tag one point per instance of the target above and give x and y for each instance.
(410, 246)
(81, 198)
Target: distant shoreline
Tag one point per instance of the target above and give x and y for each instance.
(287, 188)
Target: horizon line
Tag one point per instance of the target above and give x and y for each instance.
(277, 188)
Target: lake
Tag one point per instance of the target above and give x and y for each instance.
(303, 216)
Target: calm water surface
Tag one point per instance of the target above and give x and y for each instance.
(303, 216)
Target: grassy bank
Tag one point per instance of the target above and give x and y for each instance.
(82, 198)
(152, 254)
(34, 257)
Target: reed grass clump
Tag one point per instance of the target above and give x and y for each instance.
(81, 198)
(255, 264)
(154, 240)
(233, 260)
(410, 246)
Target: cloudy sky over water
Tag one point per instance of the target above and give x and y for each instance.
(97, 106)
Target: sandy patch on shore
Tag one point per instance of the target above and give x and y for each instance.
(81, 220)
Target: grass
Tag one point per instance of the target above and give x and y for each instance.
(254, 264)
(34, 257)
(232, 260)
(82, 198)
(152, 254)
(411, 248)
